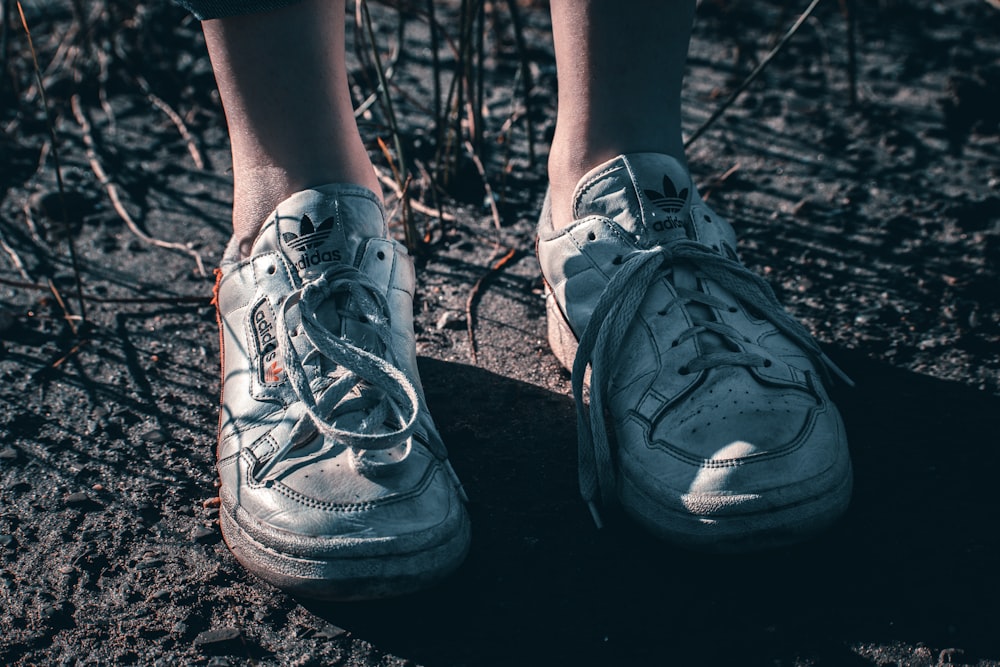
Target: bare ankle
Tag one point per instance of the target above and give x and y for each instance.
(259, 190)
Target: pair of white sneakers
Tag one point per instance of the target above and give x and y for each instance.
(335, 482)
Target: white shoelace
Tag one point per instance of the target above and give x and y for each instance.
(617, 307)
(385, 396)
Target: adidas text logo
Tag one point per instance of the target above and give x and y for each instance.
(672, 222)
(262, 323)
(311, 238)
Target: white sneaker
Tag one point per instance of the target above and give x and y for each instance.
(335, 483)
(724, 436)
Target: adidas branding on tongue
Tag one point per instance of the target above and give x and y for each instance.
(309, 243)
(670, 201)
(262, 325)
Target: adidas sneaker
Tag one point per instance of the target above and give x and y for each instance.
(724, 436)
(335, 483)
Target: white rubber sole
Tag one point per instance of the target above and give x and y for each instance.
(358, 570)
(742, 532)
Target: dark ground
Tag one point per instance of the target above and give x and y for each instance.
(878, 224)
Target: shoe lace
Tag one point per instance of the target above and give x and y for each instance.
(353, 381)
(616, 308)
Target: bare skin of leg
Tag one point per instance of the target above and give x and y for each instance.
(283, 81)
(620, 67)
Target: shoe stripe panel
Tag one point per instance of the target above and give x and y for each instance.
(278, 487)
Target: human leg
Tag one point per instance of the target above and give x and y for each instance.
(620, 69)
(725, 436)
(334, 480)
(283, 81)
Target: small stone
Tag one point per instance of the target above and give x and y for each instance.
(49, 611)
(203, 535)
(157, 436)
(7, 541)
(78, 498)
(67, 569)
(150, 564)
(329, 631)
(98, 487)
(217, 636)
(450, 319)
(9, 454)
(212, 502)
(180, 628)
(161, 594)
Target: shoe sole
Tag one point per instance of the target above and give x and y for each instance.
(739, 533)
(752, 531)
(347, 577)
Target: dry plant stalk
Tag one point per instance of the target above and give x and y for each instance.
(176, 119)
(58, 168)
(112, 190)
(754, 74)
(413, 240)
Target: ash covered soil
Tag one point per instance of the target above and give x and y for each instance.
(877, 222)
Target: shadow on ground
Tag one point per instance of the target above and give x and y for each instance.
(912, 561)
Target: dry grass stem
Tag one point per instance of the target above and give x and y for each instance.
(112, 191)
(176, 119)
(15, 258)
(69, 317)
(471, 300)
(719, 180)
(412, 238)
(57, 164)
(415, 204)
(754, 74)
(29, 222)
(170, 300)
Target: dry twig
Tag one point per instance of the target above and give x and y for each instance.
(415, 204)
(58, 164)
(173, 300)
(15, 258)
(754, 74)
(112, 190)
(176, 119)
(69, 317)
(470, 301)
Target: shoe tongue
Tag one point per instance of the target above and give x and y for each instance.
(316, 229)
(321, 226)
(651, 196)
(648, 194)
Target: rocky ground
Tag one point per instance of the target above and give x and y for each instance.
(876, 220)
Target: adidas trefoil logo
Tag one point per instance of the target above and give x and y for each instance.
(670, 201)
(308, 236)
(308, 242)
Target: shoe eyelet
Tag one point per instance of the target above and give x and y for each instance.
(674, 344)
(768, 363)
(271, 269)
(733, 309)
(663, 313)
(684, 370)
(617, 260)
(380, 254)
(591, 236)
